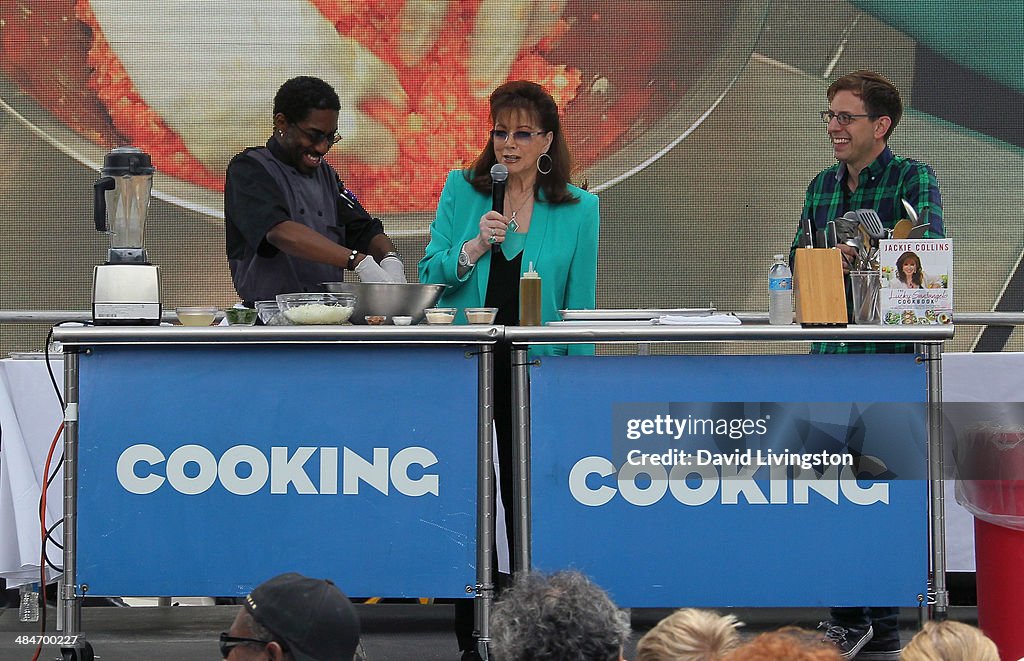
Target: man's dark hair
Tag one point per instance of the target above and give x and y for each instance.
(881, 98)
(563, 616)
(302, 94)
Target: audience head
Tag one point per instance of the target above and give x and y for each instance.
(950, 641)
(690, 634)
(563, 616)
(787, 644)
(292, 617)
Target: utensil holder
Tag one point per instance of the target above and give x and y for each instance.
(865, 287)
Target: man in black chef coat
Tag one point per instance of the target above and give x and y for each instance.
(290, 223)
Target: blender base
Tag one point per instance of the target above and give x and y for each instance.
(126, 295)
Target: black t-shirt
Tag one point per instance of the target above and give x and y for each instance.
(503, 288)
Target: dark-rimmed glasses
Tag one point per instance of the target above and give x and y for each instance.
(844, 118)
(228, 643)
(317, 137)
(520, 136)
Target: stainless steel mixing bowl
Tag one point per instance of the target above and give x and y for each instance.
(388, 298)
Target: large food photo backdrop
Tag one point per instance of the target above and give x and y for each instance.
(696, 122)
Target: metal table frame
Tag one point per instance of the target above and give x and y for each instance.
(77, 340)
(929, 339)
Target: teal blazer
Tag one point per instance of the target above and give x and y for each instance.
(561, 243)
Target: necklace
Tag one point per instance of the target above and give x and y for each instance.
(512, 225)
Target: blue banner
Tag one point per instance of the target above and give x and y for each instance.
(206, 470)
(830, 523)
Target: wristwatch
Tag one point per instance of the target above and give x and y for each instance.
(464, 258)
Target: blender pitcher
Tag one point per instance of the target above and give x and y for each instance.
(126, 289)
(121, 201)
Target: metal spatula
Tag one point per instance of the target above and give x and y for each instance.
(872, 223)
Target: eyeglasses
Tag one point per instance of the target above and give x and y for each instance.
(844, 118)
(228, 643)
(520, 136)
(317, 137)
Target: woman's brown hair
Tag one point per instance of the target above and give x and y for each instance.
(531, 98)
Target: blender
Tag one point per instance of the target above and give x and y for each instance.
(126, 289)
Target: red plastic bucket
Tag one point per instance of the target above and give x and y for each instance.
(991, 486)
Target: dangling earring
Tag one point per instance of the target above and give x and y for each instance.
(551, 163)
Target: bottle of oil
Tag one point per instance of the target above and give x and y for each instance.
(529, 298)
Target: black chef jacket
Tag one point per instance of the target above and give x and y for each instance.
(260, 192)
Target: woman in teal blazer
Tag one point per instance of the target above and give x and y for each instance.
(554, 225)
(481, 253)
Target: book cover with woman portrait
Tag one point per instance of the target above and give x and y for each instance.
(917, 281)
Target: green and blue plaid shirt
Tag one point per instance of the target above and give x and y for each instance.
(882, 186)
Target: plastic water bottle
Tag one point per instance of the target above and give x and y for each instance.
(780, 292)
(29, 609)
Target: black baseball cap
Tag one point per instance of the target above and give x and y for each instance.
(311, 616)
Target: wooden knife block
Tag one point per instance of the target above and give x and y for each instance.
(820, 295)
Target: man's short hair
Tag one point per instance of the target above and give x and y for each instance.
(312, 618)
(302, 94)
(880, 96)
(563, 616)
(690, 634)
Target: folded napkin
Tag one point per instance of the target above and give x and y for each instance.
(706, 320)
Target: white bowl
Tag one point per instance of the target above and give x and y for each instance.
(197, 316)
(440, 316)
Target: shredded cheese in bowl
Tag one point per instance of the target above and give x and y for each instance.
(319, 313)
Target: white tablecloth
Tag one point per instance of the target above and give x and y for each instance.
(30, 415)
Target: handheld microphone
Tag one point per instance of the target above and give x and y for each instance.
(499, 175)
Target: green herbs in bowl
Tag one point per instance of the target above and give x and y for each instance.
(241, 316)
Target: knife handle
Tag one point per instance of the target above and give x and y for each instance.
(807, 225)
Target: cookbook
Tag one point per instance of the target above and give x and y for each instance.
(917, 281)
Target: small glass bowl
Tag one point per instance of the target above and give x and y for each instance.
(481, 315)
(270, 313)
(241, 316)
(197, 316)
(375, 319)
(401, 320)
(440, 316)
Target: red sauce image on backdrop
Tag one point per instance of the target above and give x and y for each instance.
(614, 67)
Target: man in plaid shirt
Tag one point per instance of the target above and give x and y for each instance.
(864, 108)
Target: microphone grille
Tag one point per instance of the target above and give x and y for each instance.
(499, 173)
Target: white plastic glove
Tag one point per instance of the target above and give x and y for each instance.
(394, 268)
(369, 270)
(501, 30)
(224, 107)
